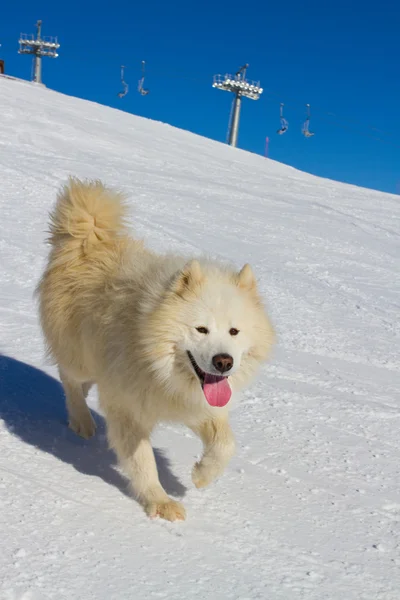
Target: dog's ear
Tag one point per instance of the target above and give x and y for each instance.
(246, 279)
(190, 276)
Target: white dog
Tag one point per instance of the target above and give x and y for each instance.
(164, 339)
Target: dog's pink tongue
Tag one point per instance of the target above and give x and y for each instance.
(216, 390)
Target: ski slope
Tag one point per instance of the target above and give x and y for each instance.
(310, 506)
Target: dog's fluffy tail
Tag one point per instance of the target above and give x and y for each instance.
(87, 214)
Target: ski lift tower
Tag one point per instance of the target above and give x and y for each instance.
(38, 47)
(241, 87)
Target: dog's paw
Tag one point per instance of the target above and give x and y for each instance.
(85, 427)
(201, 475)
(169, 510)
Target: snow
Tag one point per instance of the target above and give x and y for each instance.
(310, 506)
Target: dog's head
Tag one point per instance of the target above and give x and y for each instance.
(211, 332)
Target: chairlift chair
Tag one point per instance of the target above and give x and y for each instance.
(142, 91)
(124, 84)
(284, 124)
(305, 129)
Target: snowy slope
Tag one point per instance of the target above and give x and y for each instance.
(310, 506)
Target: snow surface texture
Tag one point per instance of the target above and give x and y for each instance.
(310, 506)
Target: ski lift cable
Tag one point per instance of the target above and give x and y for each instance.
(327, 114)
(327, 117)
(322, 114)
(178, 75)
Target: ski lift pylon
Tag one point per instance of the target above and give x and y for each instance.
(305, 129)
(284, 124)
(142, 91)
(124, 84)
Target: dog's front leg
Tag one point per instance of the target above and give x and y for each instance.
(219, 447)
(131, 442)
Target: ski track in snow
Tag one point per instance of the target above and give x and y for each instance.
(310, 506)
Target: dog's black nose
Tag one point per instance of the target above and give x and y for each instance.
(222, 362)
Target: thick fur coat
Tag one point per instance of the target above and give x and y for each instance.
(163, 337)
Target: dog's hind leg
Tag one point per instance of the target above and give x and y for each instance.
(79, 418)
(219, 447)
(132, 444)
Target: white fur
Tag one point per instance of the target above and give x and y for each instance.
(115, 314)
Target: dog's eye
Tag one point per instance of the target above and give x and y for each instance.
(202, 330)
(233, 331)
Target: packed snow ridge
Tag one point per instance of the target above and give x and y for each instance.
(310, 506)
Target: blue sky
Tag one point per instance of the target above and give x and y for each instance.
(341, 57)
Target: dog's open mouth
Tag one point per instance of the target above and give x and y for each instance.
(215, 387)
